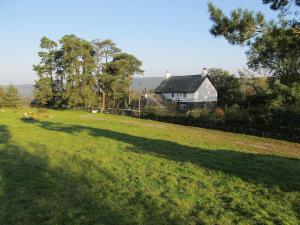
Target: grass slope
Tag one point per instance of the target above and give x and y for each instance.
(77, 168)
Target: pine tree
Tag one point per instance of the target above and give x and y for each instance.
(2, 93)
(104, 53)
(80, 74)
(273, 47)
(79, 64)
(44, 88)
(11, 97)
(122, 68)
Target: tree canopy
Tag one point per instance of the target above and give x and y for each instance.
(227, 85)
(272, 46)
(78, 73)
(11, 97)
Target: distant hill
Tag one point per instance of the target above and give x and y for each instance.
(25, 90)
(138, 84)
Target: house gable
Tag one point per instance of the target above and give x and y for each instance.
(206, 92)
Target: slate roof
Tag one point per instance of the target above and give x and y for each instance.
(180, 84)
(139, 84)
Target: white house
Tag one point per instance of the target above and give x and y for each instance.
(189, 91)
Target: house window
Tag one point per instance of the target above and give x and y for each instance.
(184, 95)
(172, 95)
(183, 106)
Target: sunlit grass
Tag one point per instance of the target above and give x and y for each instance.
(65, 167)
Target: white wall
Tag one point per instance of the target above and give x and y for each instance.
(205, 93)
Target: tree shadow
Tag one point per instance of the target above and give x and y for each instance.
(34, 192)
(270, 171)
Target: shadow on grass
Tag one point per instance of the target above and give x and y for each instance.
(33, 192)
(270, 171)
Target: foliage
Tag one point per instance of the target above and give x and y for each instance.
(283, 97)
(235, 114)
(227, 85)
(199, 113)
(281, 4)
(45, 70)
(169, 109)
(80, 74)
(273, 47)
(11, 98)
(219, 113)
(72, 169)
(251, 84)
(278, 52)
(2, 93)
(121, 70)
(104, 51)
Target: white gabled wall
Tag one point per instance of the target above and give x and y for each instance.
(205, 93)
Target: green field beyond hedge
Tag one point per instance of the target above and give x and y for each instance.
(65, 167)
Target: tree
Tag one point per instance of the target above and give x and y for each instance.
(44, 88)
(273, 47)
(2, 93)
(283, 97)
(11, 97)
(78, 65)
(104, 52)
(251, 84)
(122, 68)
(77, 73)
(227, 85)
(281, 4)
(278, 52)
(43, 91)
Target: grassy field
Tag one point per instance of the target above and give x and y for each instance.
(68, 167)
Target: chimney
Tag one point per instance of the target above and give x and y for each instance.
(204, 71)
(168, 75)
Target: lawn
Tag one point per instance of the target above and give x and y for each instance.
(66, 167)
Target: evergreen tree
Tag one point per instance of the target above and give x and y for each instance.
(78, 73)
(227, 85)
(2, 93)
(104, 52)
(273, 47)
(44, 87)
(79, 64)
(122, 68)
(11, 97)
(282, 4)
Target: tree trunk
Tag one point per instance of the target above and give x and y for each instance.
(129, 97)
(103, 102)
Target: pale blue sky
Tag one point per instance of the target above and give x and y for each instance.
(166, 35)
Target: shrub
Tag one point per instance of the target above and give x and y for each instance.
(199, 113)
(235, 114)
(219, 113)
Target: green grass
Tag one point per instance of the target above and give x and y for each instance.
(68, 167)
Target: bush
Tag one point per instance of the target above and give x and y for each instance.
(235, 114)
(219, 113)
(198, 113)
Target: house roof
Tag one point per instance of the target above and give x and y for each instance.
(139, 84)
(180, 84)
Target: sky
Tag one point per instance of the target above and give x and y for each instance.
(165, 35)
